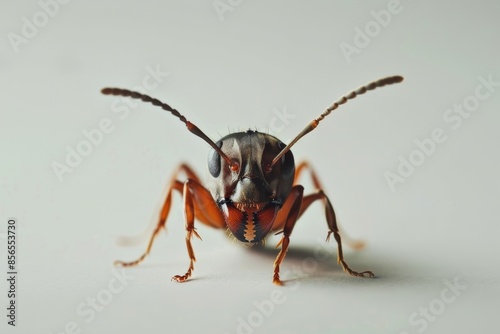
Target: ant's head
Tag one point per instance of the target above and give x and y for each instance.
(250, 189)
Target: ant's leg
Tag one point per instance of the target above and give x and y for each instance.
(177, 186)
(303, 166)
(332, 225)
(291, 208)
(197, 199)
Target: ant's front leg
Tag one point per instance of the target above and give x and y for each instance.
(197, 203)
(294, 206)
(287, 217)
(299, 170)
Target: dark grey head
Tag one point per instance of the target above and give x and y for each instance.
(251, 189)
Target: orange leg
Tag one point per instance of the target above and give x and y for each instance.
(197, 202)
(295, 205)
(332, 225)
(301, 167)
(291, 208)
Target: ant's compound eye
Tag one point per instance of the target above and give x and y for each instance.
(214, 161)
(287, 163)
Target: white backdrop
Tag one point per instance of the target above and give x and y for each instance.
(412, 169)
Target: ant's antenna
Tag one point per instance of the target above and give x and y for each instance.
(361, 90)
(190, 126)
